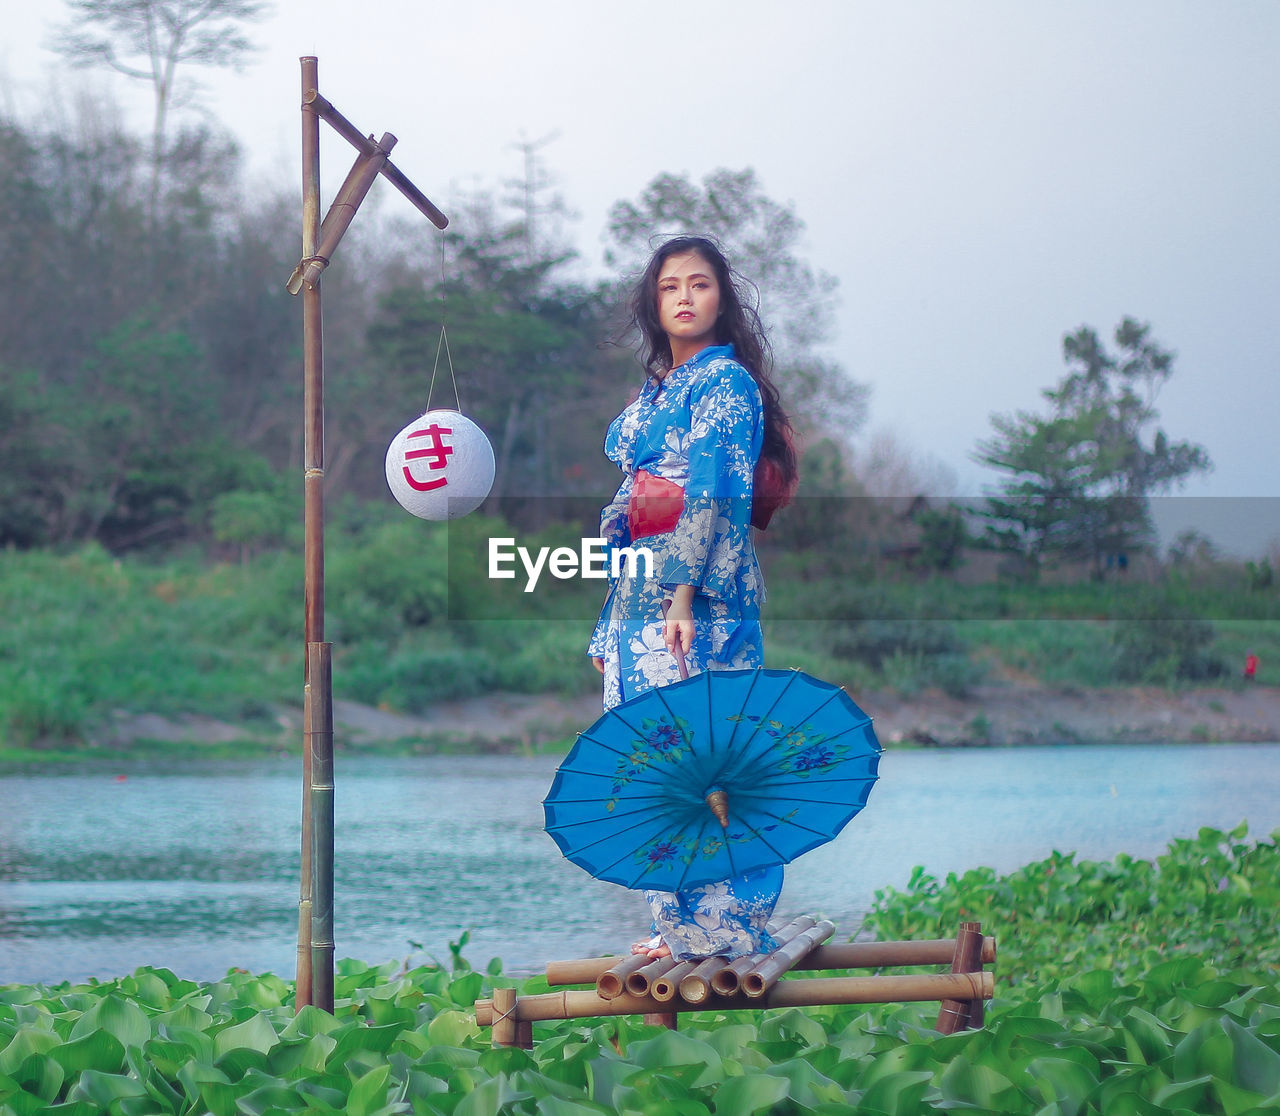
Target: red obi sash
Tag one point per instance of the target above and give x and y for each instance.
(655, 505)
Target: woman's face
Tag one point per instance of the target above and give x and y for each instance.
(688, 303)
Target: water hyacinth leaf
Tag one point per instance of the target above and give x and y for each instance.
(157, 1086)
(99, 1051)
(452, 1028)
(1257, 1066)
(146, 986)
(1065, 1081)
(241, 1061)
(899, 1059)
(385, 1011)
(606, 1075)
(189, 1016)
(561, 1106)
(14, 1099)
(506, 1059)
(979, 1085)
(369, 1093)
(806, 1085)
(302, 1056)
(23, 1045)
(745, 1095)
(261, 1094)
(66, 1108)
(1146, 1039)
(326, 1092)
(465, 990)
(900, 1093)
(688, 1059)
(255, 1033)
(41, 1075)
(792, 1025)
(107, 1090)
(195, 1075)
(1190, 1095)
(219, 1097)
(117, 1016)
(354, 1038)
(1241, 1102)
(494, 1095)
(729, 1039)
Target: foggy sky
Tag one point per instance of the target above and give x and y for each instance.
(980, 177)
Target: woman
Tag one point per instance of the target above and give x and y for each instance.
(706, 423)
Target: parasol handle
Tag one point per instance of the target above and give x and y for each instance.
(680, 663)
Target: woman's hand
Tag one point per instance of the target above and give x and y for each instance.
(679, 628)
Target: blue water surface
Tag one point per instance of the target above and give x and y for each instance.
(196, 868)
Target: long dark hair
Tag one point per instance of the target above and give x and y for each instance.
(738, 324)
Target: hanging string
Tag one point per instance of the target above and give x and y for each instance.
(443, 343)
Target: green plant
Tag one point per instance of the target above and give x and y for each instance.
(1129, 986)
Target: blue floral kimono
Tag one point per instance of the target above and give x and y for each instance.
(700, 427)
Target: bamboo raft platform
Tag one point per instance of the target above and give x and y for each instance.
(659, 989)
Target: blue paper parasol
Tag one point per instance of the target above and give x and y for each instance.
(641, 798)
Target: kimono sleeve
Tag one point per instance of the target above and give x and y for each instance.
(614, 529)
(726, 430)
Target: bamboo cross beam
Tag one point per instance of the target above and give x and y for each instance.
(811, 992)
(834, 956)
(364, 144)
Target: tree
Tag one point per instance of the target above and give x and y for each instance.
(150, 39)
(1081, 475)
(762, 238)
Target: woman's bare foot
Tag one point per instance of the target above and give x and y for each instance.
(652, 948)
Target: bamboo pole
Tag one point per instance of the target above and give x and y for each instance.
(666, 986)
(838, 955)
(727, 980)
(319, 669)
(639, 981)
(765, 975)
(503, 1017)
(319, 240)
(954, 1014)
(812, 992)
(313, 502)
(613, 981)
(696, 987)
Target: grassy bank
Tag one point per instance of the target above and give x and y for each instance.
(1123, 987)
(86, 635)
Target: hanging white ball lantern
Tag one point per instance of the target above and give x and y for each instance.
(440, 466)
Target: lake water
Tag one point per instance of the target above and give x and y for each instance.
(196, 869)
